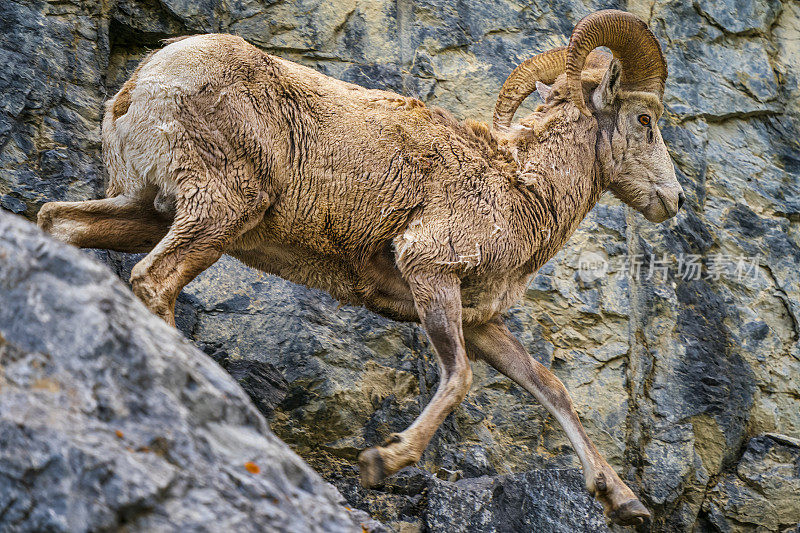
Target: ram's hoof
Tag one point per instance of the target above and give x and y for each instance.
(629, 513)
(370, 465)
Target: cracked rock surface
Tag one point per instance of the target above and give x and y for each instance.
(110, 420)
(685, 375)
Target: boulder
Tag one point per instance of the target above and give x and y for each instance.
(110, 419)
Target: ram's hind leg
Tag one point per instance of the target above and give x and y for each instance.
(438, 302)
(493, 343)
(122, 223)
(213, 207)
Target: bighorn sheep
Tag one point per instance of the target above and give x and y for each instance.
(215, 147)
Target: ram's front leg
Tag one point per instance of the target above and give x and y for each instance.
(493, 343)
(438, 302)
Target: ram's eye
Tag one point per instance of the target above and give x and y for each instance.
(644, 120)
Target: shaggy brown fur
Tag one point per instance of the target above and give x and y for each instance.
(215, 147)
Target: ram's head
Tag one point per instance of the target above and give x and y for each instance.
(622, 92)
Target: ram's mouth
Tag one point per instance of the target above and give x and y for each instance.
(658, 211)
(670, 212)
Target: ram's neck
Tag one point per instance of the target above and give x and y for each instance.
(560, 183)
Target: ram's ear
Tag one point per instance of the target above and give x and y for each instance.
(606, 92)
(543, 90)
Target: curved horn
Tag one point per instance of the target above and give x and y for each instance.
(544, 67)
(631, 41)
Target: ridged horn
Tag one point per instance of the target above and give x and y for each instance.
(545, 68)
(631, 41)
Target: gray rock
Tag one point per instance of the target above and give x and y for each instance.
(762, 490)
(110, 419)
(738, 16)
(53, 58)
(547, 501)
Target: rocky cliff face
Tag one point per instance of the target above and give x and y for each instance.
(678, 342)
